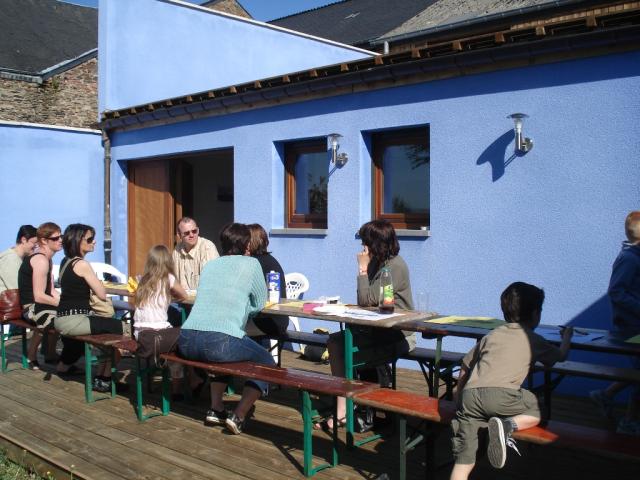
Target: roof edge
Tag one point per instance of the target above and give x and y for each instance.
(258, 23)
(45, 126)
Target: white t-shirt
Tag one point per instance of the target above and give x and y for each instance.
(153, 314)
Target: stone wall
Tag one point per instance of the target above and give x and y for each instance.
(69, 99)
(227, 6)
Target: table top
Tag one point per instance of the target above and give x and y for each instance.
(294, 309)
(608, 342)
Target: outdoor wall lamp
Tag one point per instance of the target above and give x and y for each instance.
(338, 159)
(523, 144)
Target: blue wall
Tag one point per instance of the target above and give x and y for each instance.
(553, 217)
(50, 174)
(146, 47)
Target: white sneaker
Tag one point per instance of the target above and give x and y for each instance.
(498, 441)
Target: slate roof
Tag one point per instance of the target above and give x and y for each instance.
(354, 22)
(447, 12)
(38, 34)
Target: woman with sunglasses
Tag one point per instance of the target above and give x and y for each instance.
(38, 297)
(77, 281)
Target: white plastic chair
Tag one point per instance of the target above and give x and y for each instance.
(102, 268)
(297, 284)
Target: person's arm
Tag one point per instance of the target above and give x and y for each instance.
(177, 291)
(83, 269)
(623, 273)
(548, 354)
(39, 281)
(258, 293)
(465, 368)
(368, 291)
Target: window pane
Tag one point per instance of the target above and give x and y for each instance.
(406, 179)
(312, 171)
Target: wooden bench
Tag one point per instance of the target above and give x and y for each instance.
(110, 342)
(578, 369)
(441, 412)
(304, 381)
(24, 325)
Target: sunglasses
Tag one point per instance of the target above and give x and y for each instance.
(190, 232)
(90, 239)
(55, 239)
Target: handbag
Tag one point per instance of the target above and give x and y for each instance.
(100, 308)
(10, 308)
(151, 343)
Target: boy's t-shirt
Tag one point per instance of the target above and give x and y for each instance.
(503, 357)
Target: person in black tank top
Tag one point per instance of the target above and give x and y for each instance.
(39, 298)
(77, 281)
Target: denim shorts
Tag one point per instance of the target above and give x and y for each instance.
(220, 347)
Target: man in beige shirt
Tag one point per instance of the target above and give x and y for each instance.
(11, 259)
(191, 253)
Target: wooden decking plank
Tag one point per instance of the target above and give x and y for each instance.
(55, 455)
(88, 445)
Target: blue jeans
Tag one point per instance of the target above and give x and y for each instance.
(220, 347)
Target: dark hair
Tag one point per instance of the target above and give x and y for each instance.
(259, 240)
(26, 231)
(520, 301)
(72, 238)
(379, 236)
(234, 239)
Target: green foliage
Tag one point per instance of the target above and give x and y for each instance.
(13, 471)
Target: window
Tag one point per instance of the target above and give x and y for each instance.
(401, 177)
(307, 175)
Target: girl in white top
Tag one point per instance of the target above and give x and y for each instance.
(156, 289)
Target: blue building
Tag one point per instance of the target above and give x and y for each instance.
(223, 119)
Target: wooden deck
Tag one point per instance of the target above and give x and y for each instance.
(45, 423)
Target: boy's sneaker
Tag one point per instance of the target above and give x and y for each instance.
(101, 386)
(215, 417)
(600, 399)
(234, 424)
(628, 427)
(499, 440)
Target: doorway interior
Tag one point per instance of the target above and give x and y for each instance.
(163, 190)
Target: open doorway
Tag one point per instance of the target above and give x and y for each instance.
(161, 191)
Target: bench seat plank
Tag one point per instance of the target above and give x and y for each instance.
(592, 370)
(409, 404)
(114, 340)
(286, 377)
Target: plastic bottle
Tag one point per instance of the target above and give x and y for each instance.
(386, 302)
(273, 286)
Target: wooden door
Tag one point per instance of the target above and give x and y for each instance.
(151, 210)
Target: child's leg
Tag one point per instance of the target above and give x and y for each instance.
(461, 471)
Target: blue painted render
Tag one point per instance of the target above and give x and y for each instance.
(553, 217)
(146, 47)
(50, 174)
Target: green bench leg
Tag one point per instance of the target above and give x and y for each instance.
(142, 373)
(348, 371)
(307, 420)
(88, 378)
(3, 350)
(23, 341)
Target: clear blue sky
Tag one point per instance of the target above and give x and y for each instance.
(263, 10)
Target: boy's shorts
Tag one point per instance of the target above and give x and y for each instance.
(477, 406)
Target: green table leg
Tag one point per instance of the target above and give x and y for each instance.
(25, 359)
(348, 373)
(166, 391)
(139, 399)
(112, 357)
(402, 429)
(88, 380)
(307, 420)
(436, 372)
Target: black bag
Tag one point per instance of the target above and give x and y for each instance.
(151, 343)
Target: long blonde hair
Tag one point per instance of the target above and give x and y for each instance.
(155, 279)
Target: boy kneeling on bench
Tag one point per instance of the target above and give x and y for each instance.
(489, 388)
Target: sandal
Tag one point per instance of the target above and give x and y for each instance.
(324, 424)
